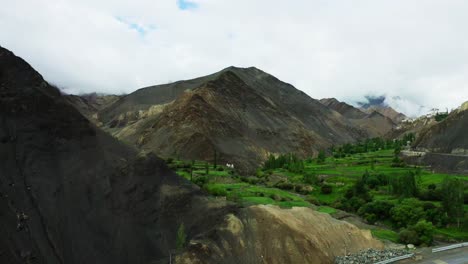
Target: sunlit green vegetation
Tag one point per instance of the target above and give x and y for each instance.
(385, 234)
(366, 178)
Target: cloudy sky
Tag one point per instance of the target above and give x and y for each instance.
(413, 52)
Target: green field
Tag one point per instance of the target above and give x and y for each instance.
(287, 189)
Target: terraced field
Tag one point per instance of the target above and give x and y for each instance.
(287, 189)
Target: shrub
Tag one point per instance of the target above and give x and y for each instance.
(407, 213)
(326, 189)
(398, 163)
(370, 218)
(284, 185)
(425, 231)
(352, 204)
(200, 181)
(259, 173)
(436, 215)
(380, 209)
(216, 190)
(181, 237)
(407, 236)
(303, 189)
(430, 195)
(311, 178)
(420, 233)
(312, 199)
(235, 197)
(275, 197)
(321, 157)
(349, 193)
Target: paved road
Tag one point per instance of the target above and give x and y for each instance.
(454, 256)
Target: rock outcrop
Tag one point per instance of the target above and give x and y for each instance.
(268, 234)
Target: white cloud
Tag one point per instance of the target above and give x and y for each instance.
(417, 50)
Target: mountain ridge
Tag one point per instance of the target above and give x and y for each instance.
(269, 116)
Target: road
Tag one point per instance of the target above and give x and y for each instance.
(453, 256)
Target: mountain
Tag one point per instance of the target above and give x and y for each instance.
(414, 126)
(374, 123)
(447, 136)
(343, 108)
(242, 114)
(70, 193)
(387, 111)
(441, 144)
(90, 104)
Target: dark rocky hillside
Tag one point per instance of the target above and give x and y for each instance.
(241, 113)
(447, 136)
(70, 193)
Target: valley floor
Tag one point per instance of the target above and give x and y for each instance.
(305, 189)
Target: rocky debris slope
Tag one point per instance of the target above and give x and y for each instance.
(370, 256)
(268, 234)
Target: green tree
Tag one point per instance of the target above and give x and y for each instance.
(420, 233)
(192, 165)
(453, 198)
(215, 159)
(321, 157)
(360, 188)
(407, 212)
(379, 209)
(310, 178)
(405, 185)
(207, 168)
(326, 189)
(181, 237)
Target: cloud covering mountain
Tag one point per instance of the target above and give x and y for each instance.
(415, 51)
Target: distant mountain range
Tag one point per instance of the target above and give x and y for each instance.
(240, 114)
(375, 123)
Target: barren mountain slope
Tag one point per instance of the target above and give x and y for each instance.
(238, 121)
(90, 104)
(262, 234)
(387, 111)
(414, 126)
(374, 123)
(447, 136)
(343, 108)
(70, 193)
